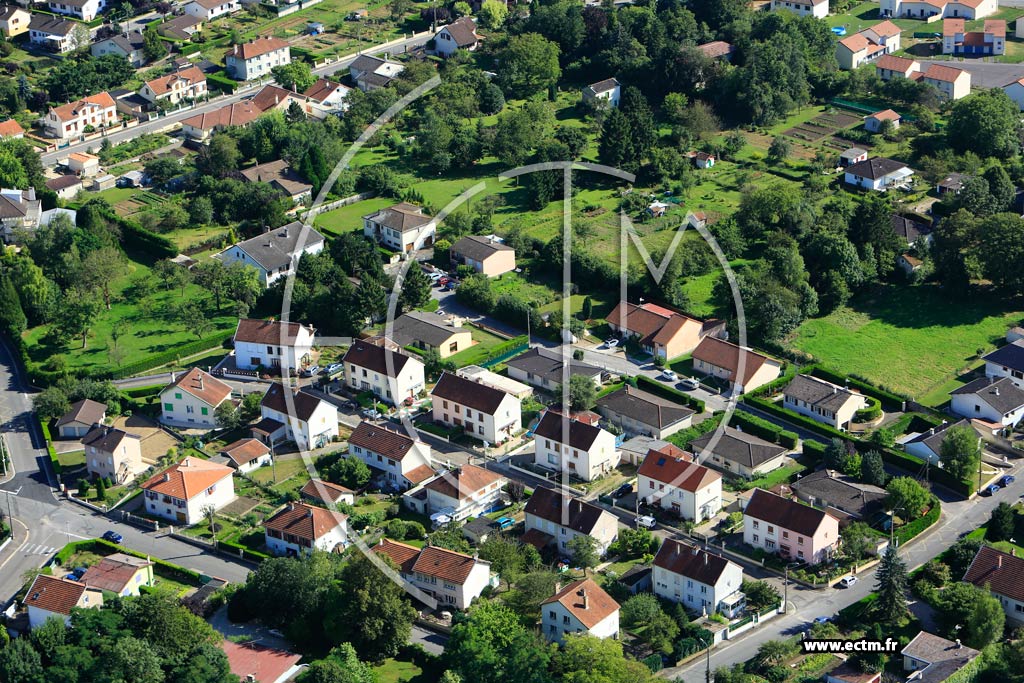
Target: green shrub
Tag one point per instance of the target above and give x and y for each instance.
(889, 401)
(757, 426)
(814, 449)
(788, 439)
(872, 411)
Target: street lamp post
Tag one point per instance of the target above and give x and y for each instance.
(892, 522)
(707, 666)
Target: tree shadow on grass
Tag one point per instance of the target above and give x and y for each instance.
(923, 306)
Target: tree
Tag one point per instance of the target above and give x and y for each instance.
(450, 538)
(505, 556)
(582, 392)
(295, 75)
(639, 609)
(960, 452)
(990, 121)
(836, 454)
(583, 549)
(492, 14)
(634, 543)
(350, 472)
(891, 586)
(51, 403)
(615, 147)
(492, 100)
(12, 173)
(961, 554)
(152, 45)
(227, 416)
(101, 491)
(779, 149)
(1003, 254)
(340, 666)
(985, 622)
(858, 540)
(492, 645)
(528, 65)
(1001, 524)
(415, 288)
(399, 8)
(80, 309)
(773, 653)
(760, 594)
(1000, 187)
(585, 659)
(220, 157)
(12, 317)
(872, 469)
(21, 663)
(907, 496)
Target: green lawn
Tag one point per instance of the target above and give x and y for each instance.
(349, 218)
(394, 671)
(912, 340)
(72, 459)
(484, 342)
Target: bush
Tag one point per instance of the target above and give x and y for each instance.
(814, 449)
(757, 426)
(653, 662)
(873, 411)
(912, 529)
(788, 439)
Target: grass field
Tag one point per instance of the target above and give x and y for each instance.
(909, 339)
(483, 342)
(394, 671)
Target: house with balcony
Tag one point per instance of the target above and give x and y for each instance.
(397, 460)
(379, 367)
(401, 227)
(702, 581)
(183, 492)
(579, 607)
(458, 493)
(582, 449)
(877, 174)
(452, 579)
(792, 530)
(55, 34)
(485, 413)
(299, 529)
(669, 479)
(191, 400)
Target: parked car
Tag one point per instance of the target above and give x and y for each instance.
(1007, 480)
(821, 620)
(689, 383)
(444, 281)
(623, 490)
(113, 537)
(310, 371)
(848, 581)
(611, 343)
(451, 286)
(372, 414)
(505, 523)
(992, 489)
(669, 375)
(333, 369)
(646, 521)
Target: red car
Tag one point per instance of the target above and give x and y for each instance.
(443, 281)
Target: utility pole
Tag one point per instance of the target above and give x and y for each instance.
(785, 588)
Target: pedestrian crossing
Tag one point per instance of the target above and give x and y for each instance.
(38, 549)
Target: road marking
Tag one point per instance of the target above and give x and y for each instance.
(27, 535)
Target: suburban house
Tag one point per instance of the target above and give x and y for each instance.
(604, 93)
(428, 331)
(487, 255)
(1000, 573)
(391, 375)
(299, 529)
(181, 27)
(19, 210)
(722, 359)
(458, 494)
(1006, 361)
(113, 454)
(50, 596)
(909, 263)
(370, 73)
(890, 66)
(402, 227)
(1015, 90)
(183, 492)
(701, 581)
(119, 573)
(878, 173)
(952, 83)
(485, 413)
(325, 493)
(78, 118)
(659, 330)
(995, 400)
(246, 455)
(330, 95)
(404, 463)
(933, 659)
(65, 186)
(54, 34)
(990, 41)
(718, 49)
(453, 579)
(128, 45)
(875, 123)
(703, 159)
(542, 368)
(84, 164)
(255, 663)
(867, 45)
(741, 453)
(459, 35)
(555, 517)
(588, 452)
(923, 9)
(910, 230)
(11, 130)
(493, 379)
(308, 420)
(822, 401)
(832, 491)
(208, 10)
(180, 86)
(83, 10)
(928, 445)
(275, 98)
(280, 176)
(640, 412)
(802, 8)
(14, 20)
(580, 607)
(677, 484)
(272, 344)
(79, 421)
(256, 59)
(793, 530)
(849, 672)
(276, 253)
(191, 400)
(201, 126)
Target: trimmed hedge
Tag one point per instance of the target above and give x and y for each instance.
(143, 392)
(873, 411)
(769, 431)
(909, 531)
(659, 389)
(222, 82)
(683, 437)
(814, 449)
(247, 552)
(890, 401)
(788, 439)
(773, 408)
(156, 360)
(160, 567)
(45, 428)
(137, 238)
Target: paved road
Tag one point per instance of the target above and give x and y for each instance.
(804, 433)
(983, 74)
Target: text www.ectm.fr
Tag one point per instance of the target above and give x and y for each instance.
(836, 646)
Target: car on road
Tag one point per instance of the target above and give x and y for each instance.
(372, 414)
(646, 521)
(848, 581)
(435, 275)
(1007, 480)
(311, 371)
(992, 489)
(669, 375)
(623, 490)
(689, 383)
(113, 537)
(611, 343)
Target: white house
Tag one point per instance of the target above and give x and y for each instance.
(790, 529)
(370, 73)
(77, 118)
(453, 579)
(671, 480)
(276, 253)
(299, 529)
(891, 66)
(802, 8)
(1006, 361)
(459, 35)
(50, 596)
(589, 450)
(554, 517)
(878, 173)
(580, 607)
(183, 492)
(822, 401)
(247, 455)
(330, 95)
(113, 454)
(402, 227)
(458, 493)
(703, 582)
(19, 210)
(308, 420)
(995, 400)
(485, 413)
(192, 399)
(180, 86)
(923, 9)
(56, 34)
(928, 445)
(956, 40)
(402, 462)
(606, 92)
(84, 10)
(129, 45)
(932, 659)
(952, 83)
(392, 376)
(272, 344)
(208, 10)
(1000, 573)
(257, 58)
(875, 123)
(1015, 90)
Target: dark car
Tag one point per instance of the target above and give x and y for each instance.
(623, 490)
(992, 489)
(113, 537)
(1007, 480)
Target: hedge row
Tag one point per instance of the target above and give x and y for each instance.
(814, 449)
(776, 385)
(143, 392)
(137, 238)
(684, 437)
(873, 411)
(160, 567)
(222, 82)
(659, 389)
(764, 429)
(247, 552)
(44, 427)
(909, 531)
(156, 360)
(890, 401)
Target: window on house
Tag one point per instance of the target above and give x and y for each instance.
(169, 407)
(757, 525)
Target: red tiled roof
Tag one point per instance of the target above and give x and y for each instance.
(305, 521)
(257, 331)
(419, 474)
(855, 43)
(716, 48)
(312, 490)
(952, 25)
(70, 110)
(894, 63)
(264, 664)
(114, 572)
(537, 538)
(885, 29)
(188, 478)
(1001, 572)
(191, 76)
(938, 72)
(885, 115)
(401, 554)
(723, 354)
(54, 595)
(447, 565)
(680, 472)
(586, 601)
(466, 482)
(244, 451)
(996, 27)
(203, 386)
(10, 127)
(236, 114)
(260, 46)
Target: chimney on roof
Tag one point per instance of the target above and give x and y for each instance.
(999, 562)
(931, 431)
(285, 233)
(996, 391)
(200, 377)
(705, 558)
(583, 596)
(167, 476)
(696, 550)
(291, 506)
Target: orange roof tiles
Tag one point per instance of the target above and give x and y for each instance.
(465, 482)
(586, 601)
(948, 74)
(244, 451)
(894, 63)
(305, 521)
(188, 478)
(191, 76)
(680, 472)
(996, 27)
(10, 127)
(256, 48)
(71, 109)
(885, 115)
(203, 386)
(54, 594)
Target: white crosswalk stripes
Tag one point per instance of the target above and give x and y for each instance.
(38, 549)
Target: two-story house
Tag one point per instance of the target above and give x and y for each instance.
(543, 368)
(247, 455)
(929, 658)
(453, 579)
(208, 10)
(183, 492)
(276, 253)
(299, 529)
(487, 255)
(580, 607)
(370, 73)
(78, 118)
(272, 344)
(1000, 573)
(398, 460)
(391, 375)
(703, 582)
(83, 10)
(890, 66)
(485, 413)
(990, 41)
(19, 210)
(120, 574)
(802, 8)
(606, 93)
(1006, 361)
(459, 35)
(113, 454)
(739, 453)
(50, 596)
(995, 400)
(659, 330)
(14, 20)
(81, 418)
(927, 445)
(722, 359)
(458, 493)
(554, 517)
(402, 227)
(566, 444)
(298, 416)
(129, 45)
(257, 58)
(924, 9)
(790, 529)
(951, 82)
(191, 400)
(671, 480)
(55, 34)
(180, 86)
(639, 412)
(822, 401)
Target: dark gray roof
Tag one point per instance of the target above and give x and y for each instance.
(581, 434)
(365, 63)
(273, 250)
(909, 229)
(106, 439)
(833, 489)
(933, 438)
(51, 25)
(1002, 394)
(478, 248)
(739, 447)
(603, 86)
(1009, 356)
(818, 392)
(644, 407)
(132, 42)
(944, 656)
(553, 504)
(876, 168)
(548, 365)
(416, 326)
(953, 182)
(466, 392)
